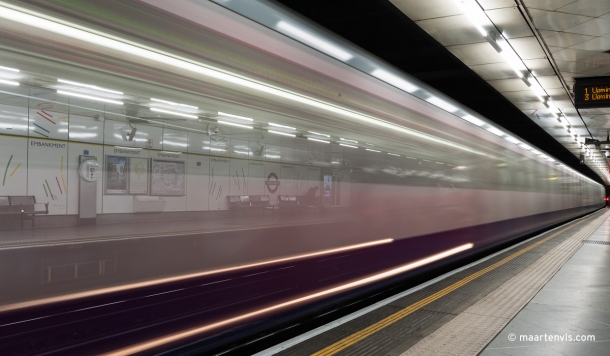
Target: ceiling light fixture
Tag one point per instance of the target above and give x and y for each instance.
(174, 113)
(315, 139)
(9, 69)
(9, 82)
(346, 140)
(94, 98)
(317, 133)
(282, 126)
(495, 131)
(394, 80)
(281, 133)
(368, 149)
(441, 104)
(393, 154)
(94, 87)
(174, 104)
(350, 146)
(235, 116)
(233, 124)
(473, 120)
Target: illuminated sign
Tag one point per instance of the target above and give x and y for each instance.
(592, 92)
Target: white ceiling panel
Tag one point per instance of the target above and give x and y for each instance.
(591, 8)
(504, 85)
(452, 30)
(521, 96)
(571, 54)
(558, 94)
(419, 10)
(527, 47)
(549, 82)
(595, 72)
(510, 22)
(598, 44)
(528, 105)
(594, 27)
(476, 54)
(565, 39)
(597, 60)
(494, 71)
(539, 67)
(556, 21)
(496, 4)
(546, 4)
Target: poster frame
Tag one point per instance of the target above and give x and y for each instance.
(151, 171)
(106, 172)
(146, 175)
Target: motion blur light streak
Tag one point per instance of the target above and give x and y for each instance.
(174, 104)
(235, 116)
(234, 124)
(181, 335)
(317, 133)
(9, 69)
(350, 146)
(95, 292)
(282, 126)
(94, 98)
(314, 41)
(281, 133)
(317, 140)
(30, 18)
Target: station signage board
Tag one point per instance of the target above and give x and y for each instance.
(592, 92)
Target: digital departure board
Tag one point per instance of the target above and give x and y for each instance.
(592, 92)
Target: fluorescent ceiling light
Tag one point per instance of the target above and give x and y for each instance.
(174, 113)
(9, 69)
(26, 17)
(410, 157)
(335, 162)
(234, 116)
(215, 149)
(394, 80)
(315, 139)
(525, 146)
(273, 156)
(369, 149)
(477, 17)
(314, 41)
(369, 144)
(344, 139)
(317, 133)
(473, 120)
(439, 162)
(512, 139)
(173, 104)
(393, 154)
(89, 86)
(441, 104)
(233, 124)
(243, 152)
(282, 126)
(494, 131)
(350, 146)
(281, 133)
(9, 82)
(90, 97)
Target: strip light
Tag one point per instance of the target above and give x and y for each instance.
(314, 41)
(235, 116)
(10, 69)
(473, 120)
(282, 126)
(9, 82)
(344, 287)
(441, 104)
(350, 146)
(234, 124)
(174, 113)
(368, 149)
(95, 87)
(317, 133)
(27, 17)
(174, 104)
(315, 139)
(393, 154)
(346, 140)
(394, 80)
(94, 98)
(281, 133)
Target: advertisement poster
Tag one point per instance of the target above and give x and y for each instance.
(328, 182)
(116, 175)
(138, 175)
(167, 177)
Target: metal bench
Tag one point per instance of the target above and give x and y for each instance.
(23, 205)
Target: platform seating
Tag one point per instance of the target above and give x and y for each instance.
(249, 202)
(24, 206)
(295, 203)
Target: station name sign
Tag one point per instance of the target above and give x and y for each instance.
(592, 92)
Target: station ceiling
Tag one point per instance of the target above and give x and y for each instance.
(437, 41)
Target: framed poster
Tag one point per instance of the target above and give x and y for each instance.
(328, 182)
(167, 177)
(116, 175)
(138, 176)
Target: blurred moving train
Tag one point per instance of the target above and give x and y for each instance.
(414, 179)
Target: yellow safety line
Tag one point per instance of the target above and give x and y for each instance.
(366, 332)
